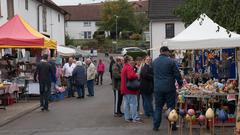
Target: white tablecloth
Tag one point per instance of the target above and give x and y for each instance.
(34, 88)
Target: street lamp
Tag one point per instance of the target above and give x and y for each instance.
(116, 19)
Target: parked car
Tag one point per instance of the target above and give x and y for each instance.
(132, 49)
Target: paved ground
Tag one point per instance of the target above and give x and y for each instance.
(16, 110)
(89, 116)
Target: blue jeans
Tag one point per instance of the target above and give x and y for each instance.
(44, 94)
(130, 107)
(80, 90)
(90, 85)
(70, 86)
(147, 104)
(160, 99)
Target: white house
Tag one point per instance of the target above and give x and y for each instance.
(83, 18)
(163, 23)
(82, 21)
(44, 15)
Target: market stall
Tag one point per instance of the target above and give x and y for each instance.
(212, 45)
(65, 51)
(21, 47)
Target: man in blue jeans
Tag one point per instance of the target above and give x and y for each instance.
(91, 74)
(165, 75)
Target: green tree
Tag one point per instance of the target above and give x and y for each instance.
(68, 40)
(224, 12)
(141, 22)
(120, 9)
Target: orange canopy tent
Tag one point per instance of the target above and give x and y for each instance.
(17, 33)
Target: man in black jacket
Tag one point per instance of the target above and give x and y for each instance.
(44, 73)
(110, 65)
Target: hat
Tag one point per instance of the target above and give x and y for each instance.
(79, 63)
(164, 49)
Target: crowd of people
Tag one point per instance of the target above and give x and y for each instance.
(150, 80)
(76, 74)
(131, 81)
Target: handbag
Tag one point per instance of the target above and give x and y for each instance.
(132, 84)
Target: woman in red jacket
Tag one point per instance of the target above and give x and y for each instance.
(129, 96)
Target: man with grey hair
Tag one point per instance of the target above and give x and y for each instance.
(79, 78)
(67, 71)
(91, 74)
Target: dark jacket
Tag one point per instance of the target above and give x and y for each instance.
(146, 79)
(79, 75)
(43, 72)
(53, 69)
(165, 74)
(116, 75)
(110, 66)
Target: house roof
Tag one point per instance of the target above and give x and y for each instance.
(85, 12)
(92, 12)
(163, 9)
(53, 5)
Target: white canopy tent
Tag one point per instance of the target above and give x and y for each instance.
(203, 33)
(65, 51)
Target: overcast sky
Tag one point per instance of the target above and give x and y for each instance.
(76, 2)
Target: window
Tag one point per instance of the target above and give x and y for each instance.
(44, 19)
(26, 4)
(10, 9)
(87, 34)
(169, 30)
(59, 19)
(87, 24)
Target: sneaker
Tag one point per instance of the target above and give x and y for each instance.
(155, 129)
(47, 110)
(118, 115)
(128, 120)
(42, 109)
(137, 121)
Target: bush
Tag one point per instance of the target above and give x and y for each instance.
(135, 36)
(137, 54)
(126, 34)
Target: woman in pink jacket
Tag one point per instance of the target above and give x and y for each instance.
(100, 70)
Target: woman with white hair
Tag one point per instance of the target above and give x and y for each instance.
(79, 78)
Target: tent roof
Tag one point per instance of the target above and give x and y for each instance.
(17, 33)
(65, 51)
(203, 33)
